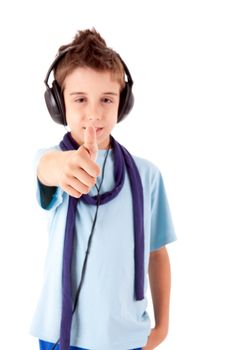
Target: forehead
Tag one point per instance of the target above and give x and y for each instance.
(86, 78)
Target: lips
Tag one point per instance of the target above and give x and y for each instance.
(96, 129)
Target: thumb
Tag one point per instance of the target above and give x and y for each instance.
(90, 142)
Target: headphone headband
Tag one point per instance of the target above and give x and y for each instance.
(57, 58)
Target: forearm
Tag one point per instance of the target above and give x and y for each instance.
(50, 165)
(160, 284)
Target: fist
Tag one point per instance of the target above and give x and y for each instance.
(80, 170)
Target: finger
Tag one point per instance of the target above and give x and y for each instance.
(71, 191)
(90, 142)
(77, 185)
(84, 177)
(75, 188)
(83, 161)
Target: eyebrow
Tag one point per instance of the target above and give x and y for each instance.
(84, 93)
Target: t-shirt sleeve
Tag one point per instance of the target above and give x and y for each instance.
(48, 197)
(162, 228)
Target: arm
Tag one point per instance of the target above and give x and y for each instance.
(48, 170)
(50, 166)
(160, 283)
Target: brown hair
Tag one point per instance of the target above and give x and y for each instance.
(90, 51)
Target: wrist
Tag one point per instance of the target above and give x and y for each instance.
(157, 336)
(162, 329)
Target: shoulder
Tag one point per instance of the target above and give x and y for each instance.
(51, 148)
(148, 170)
(41, 151)
(146, 165)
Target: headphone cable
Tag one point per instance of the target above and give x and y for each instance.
(88, 245)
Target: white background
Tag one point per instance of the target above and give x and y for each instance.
(180, 56)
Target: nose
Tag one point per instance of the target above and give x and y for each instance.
(93, 113)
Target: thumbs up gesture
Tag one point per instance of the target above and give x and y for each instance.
(90, 142)
(79, 170)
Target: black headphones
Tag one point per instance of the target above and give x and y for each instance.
(55, 101)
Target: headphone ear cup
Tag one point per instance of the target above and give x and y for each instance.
(126, 102)
(55, 103)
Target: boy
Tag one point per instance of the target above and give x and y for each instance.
(90, 173)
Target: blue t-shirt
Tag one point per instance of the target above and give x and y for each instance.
(107, 315)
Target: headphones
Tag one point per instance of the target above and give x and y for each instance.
(54, 97)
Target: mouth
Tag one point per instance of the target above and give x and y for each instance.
(96, 129)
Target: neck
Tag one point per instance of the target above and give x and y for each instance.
(109, 146)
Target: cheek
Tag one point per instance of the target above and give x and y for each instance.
(70, 108)
(72, 120)
(73, 113)
(114, 114)
(112, 119)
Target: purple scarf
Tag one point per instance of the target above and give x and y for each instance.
(122, 160)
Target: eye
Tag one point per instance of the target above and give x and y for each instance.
(107, 100)
(80, 100)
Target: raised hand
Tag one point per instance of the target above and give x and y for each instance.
(79, 170)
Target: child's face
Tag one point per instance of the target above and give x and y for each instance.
(91, 99)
